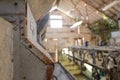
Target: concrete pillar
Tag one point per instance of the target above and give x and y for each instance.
(6, 50)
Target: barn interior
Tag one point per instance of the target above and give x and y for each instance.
(59, 40)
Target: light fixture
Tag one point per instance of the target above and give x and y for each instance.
(55, 39)
(85, 4)
(86, 17)
(110, 5)
(76, 24)
(97, 12)
(45, 39)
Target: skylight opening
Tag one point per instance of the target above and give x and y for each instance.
(56, 21)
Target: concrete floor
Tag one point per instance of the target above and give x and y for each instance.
(73, 69)
(60, 73)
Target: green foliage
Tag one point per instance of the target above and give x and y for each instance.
(103, 28)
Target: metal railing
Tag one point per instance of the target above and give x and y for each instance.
(107, 53)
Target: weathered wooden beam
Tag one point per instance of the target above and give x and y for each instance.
(89, 3)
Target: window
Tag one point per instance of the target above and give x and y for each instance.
(56, 21)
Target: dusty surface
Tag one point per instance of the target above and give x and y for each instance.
(6, 50)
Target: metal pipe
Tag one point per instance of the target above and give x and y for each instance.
(94, 65)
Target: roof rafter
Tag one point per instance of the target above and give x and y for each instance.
(97, 9)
